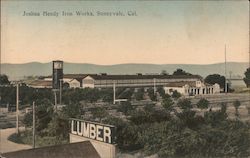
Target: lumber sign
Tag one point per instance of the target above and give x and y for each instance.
(93, 130)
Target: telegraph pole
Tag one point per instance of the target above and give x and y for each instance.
(114, 93)
(34, 125)
(17, 108)
(55, 99)
(225, 69)
(249, 53)
(60, 101)
(154, 87)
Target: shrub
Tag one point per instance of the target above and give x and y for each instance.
(184, 104)
(167, 103)
(203, 103)
(176, 94)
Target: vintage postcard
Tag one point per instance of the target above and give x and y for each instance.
(124, 79)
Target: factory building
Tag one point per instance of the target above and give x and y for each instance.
(184, 84)
(139, 80)
(192, 88)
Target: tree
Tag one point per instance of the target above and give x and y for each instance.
(248, 110)
(149, 108)
(107, 95)
(247, 77)
(176, 94)
(167, 103)
(236, 104)
(164, 72)
(4, 80)
(203, 103)
(151, 94)
(58, 127)
(139, 94)
(99, 113)
(188, 118)
(162, 93)
(223, 107)
(125, 107)
(181, 72)
(184, 104)
(215, 118)
(72, 110)
(44, 113)
(216, 78)
(27, 120)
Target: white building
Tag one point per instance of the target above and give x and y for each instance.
(72, 83)
(192, 88)
(184, 84)
(107, 81)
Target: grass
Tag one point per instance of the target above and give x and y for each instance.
(21, 138)
(25, 137)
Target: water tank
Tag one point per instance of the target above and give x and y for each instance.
(57, 73)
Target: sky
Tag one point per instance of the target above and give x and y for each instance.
(162, 32)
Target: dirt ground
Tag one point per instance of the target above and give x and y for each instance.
(8, 146)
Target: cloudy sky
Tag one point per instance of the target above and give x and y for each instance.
(163, 32)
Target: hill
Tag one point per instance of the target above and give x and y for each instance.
(19, 71)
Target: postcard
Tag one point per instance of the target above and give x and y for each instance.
(124, 78)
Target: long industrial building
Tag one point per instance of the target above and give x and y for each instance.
(185, 84)
(139, 80)
(107, 81)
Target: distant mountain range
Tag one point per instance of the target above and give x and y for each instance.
(19, 71)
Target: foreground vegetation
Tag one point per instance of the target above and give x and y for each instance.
(167, 132)
(170, 131)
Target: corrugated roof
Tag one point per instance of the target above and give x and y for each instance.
(74, 150)
(44, 83)
(75, 75)
(79, 77)
(123, 77)
(181, 84)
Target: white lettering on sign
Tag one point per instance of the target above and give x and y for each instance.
(72, 127)
(93, 131)
(79, 129)
(98, 132)
(107, 134)
(85, 129)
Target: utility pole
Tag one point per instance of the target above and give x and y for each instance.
(61, 80)
(114, 93)
(17, 108)
(225, 69)
(154, 87)
(34, 125)
(55, 98)
(249, 55)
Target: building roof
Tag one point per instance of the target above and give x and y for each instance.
(78, 77)
(74, 150)
(81, 76)
(105, 76)
(139, 76)
(181, 84)
(43, 83)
